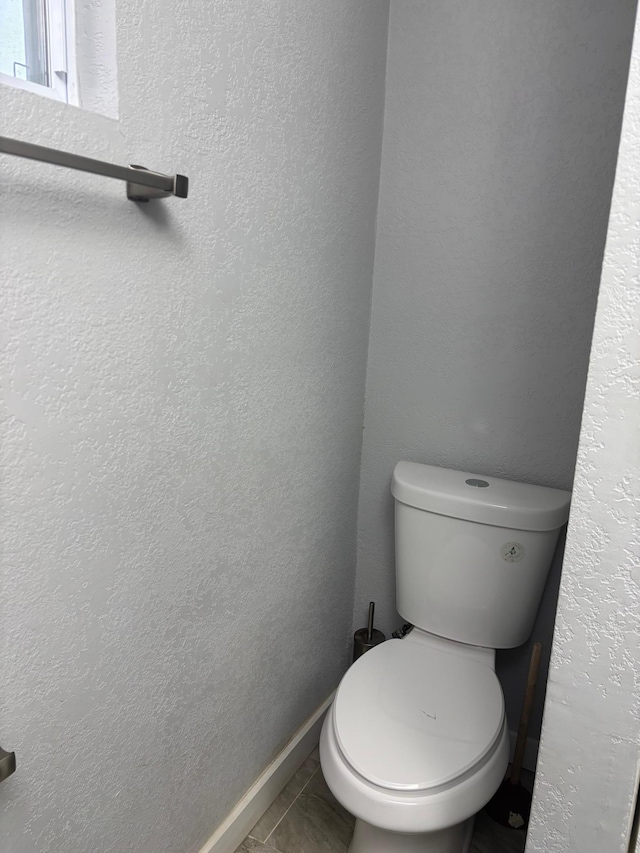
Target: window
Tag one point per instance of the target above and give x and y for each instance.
(63, 49)
(34, 47)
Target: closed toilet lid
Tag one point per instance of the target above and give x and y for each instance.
(408, 717)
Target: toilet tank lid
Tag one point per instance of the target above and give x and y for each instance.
(474, 497)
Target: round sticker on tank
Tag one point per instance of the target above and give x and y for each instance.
(512, 552)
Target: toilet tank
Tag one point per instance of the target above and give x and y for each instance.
(473, 552)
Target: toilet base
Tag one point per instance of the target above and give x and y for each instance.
(371, 839)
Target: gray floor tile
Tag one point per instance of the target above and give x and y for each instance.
(317, 787)
(312, 825)
(284, 799)
(251, 845)
(490, 837)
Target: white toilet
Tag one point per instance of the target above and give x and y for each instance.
(416, 740)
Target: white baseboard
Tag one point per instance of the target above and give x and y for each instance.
(530, 751)
(244, 816)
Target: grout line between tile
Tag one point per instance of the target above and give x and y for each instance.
(266, 841)
(269, 847)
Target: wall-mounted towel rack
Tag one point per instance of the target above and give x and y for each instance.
(142, 184)
(7, 764)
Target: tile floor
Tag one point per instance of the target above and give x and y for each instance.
(306, 818)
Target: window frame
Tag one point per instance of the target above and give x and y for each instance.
(50, 41)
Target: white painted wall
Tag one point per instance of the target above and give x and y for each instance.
(501, 130)
(590, 749)
(183, 415)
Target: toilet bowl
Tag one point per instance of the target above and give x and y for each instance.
(416, 741)
(415, 744)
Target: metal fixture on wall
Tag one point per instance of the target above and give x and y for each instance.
(142, 184)
(7, 763)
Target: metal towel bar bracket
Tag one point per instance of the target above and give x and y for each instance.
(7, 764)
(142, 184)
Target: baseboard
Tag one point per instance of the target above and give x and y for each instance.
(530, 751)
(234, 829)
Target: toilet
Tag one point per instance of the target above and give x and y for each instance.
(416, 741)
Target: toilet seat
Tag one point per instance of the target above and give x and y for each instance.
(412, 718)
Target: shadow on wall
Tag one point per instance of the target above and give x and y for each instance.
(92, 212)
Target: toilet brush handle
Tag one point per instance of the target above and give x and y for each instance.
(372, 607)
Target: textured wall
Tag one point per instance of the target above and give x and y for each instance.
(501, 129)
(590, 750)
(183, 418)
